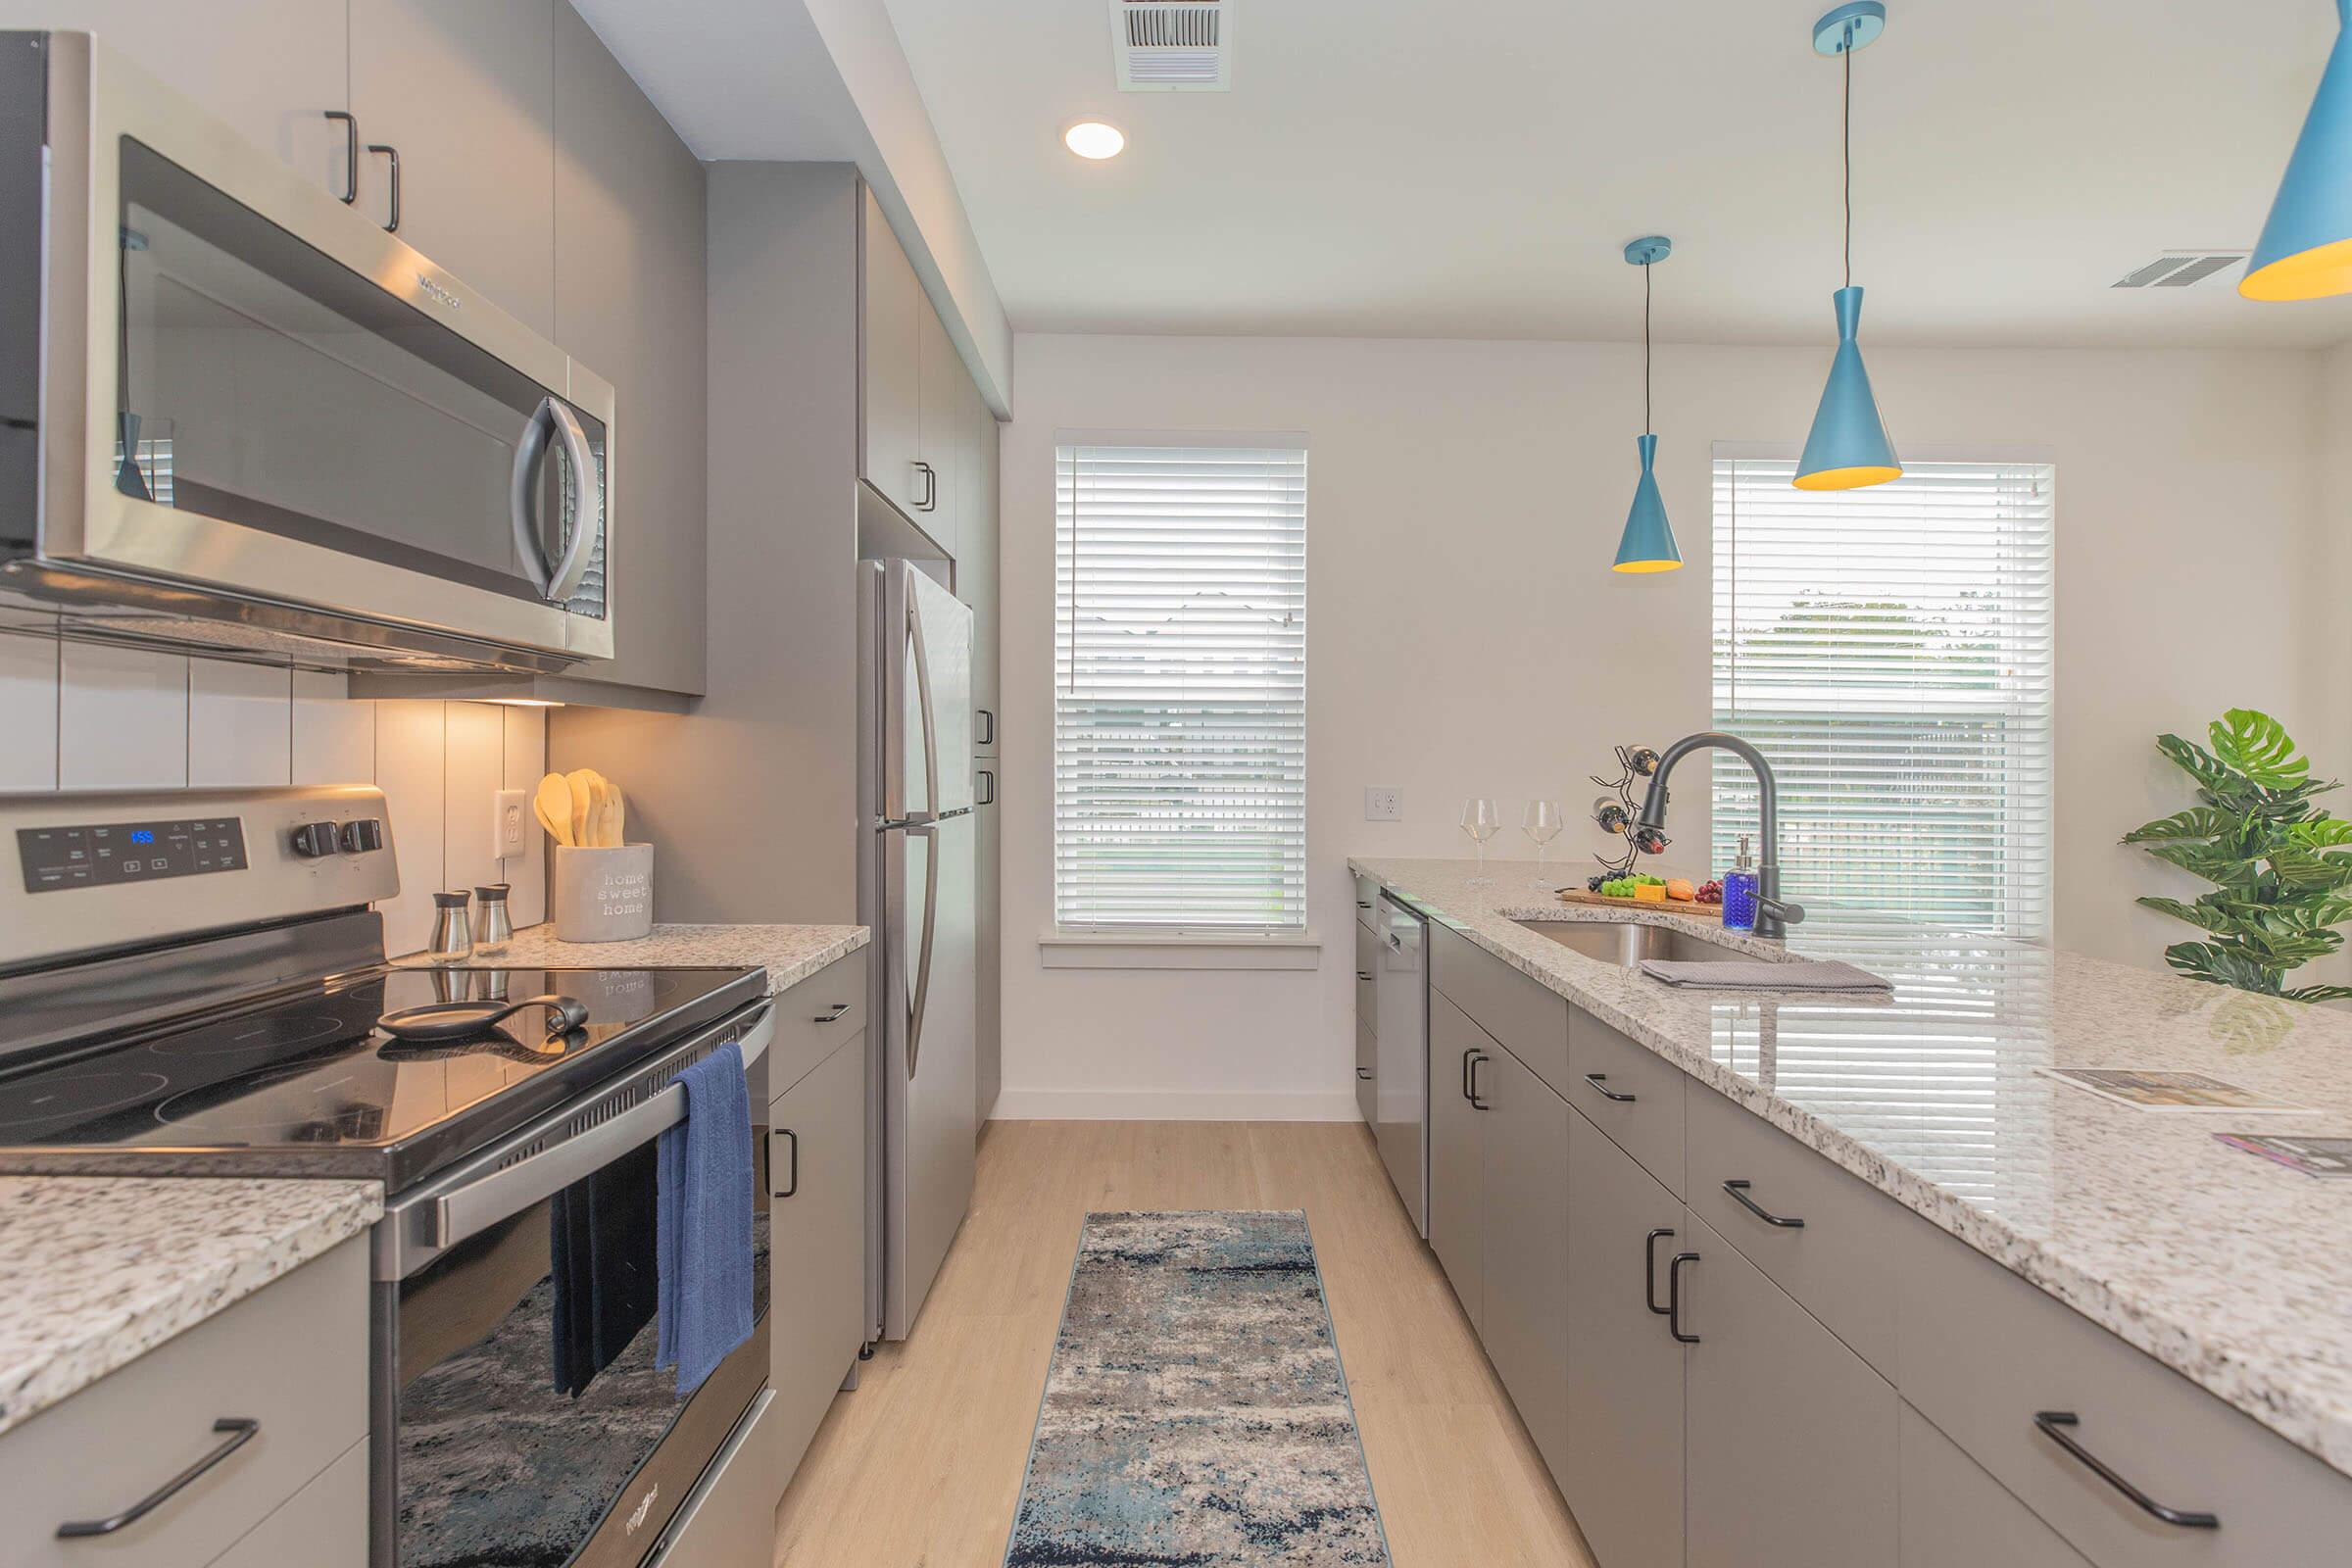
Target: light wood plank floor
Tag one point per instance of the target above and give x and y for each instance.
(921, 1466)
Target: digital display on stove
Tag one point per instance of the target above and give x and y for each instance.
(114, 852)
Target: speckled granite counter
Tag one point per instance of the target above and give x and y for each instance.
(95, 1271)
(2232, 1270)
(789, 952)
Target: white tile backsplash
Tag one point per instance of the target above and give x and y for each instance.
(28, 712)
(89, 716)
(240, 723)
(122, 718)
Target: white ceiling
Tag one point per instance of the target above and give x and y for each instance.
(1472, 168)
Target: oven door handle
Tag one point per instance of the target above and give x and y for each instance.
(482, 1203)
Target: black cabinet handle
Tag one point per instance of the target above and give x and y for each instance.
(1600, 1081)
(1477, 1057)
(989, 739)
(392, 155)
(1649, 1270)
(792, 1166)
(1363, 974)
(930, 501)
(1466, 1056)
(1365, 1073)
(990, 799)
(2053, 1424)
(239, 1431)
(831, 1013)
(1738, 1190)
(351, 152)
(1674, 1296)
(1363, 903)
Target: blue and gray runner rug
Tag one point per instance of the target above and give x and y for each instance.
(1196, 1413)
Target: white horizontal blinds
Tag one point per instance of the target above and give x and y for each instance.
(1890, 650)
(1180, 689)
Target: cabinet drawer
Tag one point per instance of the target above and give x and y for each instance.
(814, 1017)
(1835, 1263)
(1604, 1065)
(292, 1357)
(1367, 978)
(324, 1525)
(1368, 903)
(2005, 1353)
(1957, 1516)
(1529, 1021)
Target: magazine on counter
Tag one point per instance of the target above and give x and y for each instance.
(2151, 1089)
(2313, 1157)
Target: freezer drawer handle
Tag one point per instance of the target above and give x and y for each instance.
(2052, 1425)
(1649, 1271)
(239, 1430)
(1600, 1081)
(1738, 1191)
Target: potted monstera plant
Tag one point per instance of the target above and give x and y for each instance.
(2278, 871)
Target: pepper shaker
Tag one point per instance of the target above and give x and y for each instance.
(497, 923)
(453, 929)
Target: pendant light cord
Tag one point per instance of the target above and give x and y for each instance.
(1845, 135)
(1645, 346)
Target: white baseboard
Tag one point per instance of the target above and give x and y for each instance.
(1174, 1105)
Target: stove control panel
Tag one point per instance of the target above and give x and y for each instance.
(101, 853)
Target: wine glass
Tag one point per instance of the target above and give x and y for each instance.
(1541, 824)
(1482, 819)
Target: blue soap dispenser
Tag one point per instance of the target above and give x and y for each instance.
(1739, 892)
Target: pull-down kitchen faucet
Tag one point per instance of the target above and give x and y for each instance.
(1772, 916)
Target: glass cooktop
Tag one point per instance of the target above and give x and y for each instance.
(308, 1085)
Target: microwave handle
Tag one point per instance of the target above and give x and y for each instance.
(559, 580)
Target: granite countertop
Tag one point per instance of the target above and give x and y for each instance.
(95, 1271)
(790, 953)
(2228, 1268)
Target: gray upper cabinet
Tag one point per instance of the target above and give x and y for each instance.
(465, 93)
(948, 447)
(269, 67)
(1624, 1476)
(1524, 1128)
(631, 246)
(978, 577)
(891, 309)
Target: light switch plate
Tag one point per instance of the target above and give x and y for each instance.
(510, 821)
(1383, 805)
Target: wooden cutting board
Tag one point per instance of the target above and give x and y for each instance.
(1711, 912)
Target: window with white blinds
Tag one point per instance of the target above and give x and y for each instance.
(1180, 689)
(1889, 650)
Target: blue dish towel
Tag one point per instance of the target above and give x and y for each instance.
(704, 1221)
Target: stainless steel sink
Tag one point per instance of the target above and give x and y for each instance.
(1621, 942)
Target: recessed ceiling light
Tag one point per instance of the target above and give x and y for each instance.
(1090, 138)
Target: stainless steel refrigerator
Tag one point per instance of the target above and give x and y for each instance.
(918, 890)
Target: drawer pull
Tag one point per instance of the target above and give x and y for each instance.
(1738, 1190)
(792, 1155)
(1674, 1296)
(237, 1429)
(2052, 1424)
(1600, 1081)
(832, 1014)
(1649, 1271)
(1363, 903)
(1363, 974)
(1365, 1073)
(1477, 1057)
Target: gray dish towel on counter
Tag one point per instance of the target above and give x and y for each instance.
(703, 1221)
(1755, 974)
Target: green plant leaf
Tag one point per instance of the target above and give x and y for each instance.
(2219, 966)
(2306, 871)
(2285, 950)
(2198, 822)
(2209, 917)
(2212, 863)
(2318, 831)
(2259, 747)
(2318, 993)
(2209, 771)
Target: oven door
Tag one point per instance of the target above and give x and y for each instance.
(254, 392)
(517, 1416)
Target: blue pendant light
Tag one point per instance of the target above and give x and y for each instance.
(2306, 248)
(1847, 448)
(1648, 542)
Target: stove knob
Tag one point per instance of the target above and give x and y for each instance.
(363, 835)
(313, 839)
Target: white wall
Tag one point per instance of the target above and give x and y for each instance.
(1465, 635)
(87, 715)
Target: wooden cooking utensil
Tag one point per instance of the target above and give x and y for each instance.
(553, 804)
(581, 799)
(617, 818)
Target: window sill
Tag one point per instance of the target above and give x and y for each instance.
(1103, 949)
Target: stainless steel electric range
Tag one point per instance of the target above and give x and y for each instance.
(190, 984)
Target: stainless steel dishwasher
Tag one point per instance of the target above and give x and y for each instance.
(1401, 1074)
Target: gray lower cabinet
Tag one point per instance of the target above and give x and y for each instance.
(326, 1523)
(1957, 1516)
(1457, 1153)
(466, 94)
(1525, 1146)
(817, 1244)
(1367, 1072)
(1624, 1474)
(1790, 1437)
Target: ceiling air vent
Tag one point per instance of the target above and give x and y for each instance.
(2180, 269)
(1172, 45)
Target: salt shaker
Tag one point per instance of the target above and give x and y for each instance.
(452, 930)
(497, 924)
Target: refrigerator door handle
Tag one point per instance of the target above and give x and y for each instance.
(922, 971)
(922, 692)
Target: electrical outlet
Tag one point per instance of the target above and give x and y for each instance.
(1383, 805)
(510, 821)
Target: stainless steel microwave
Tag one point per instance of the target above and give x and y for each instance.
(228, 397)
